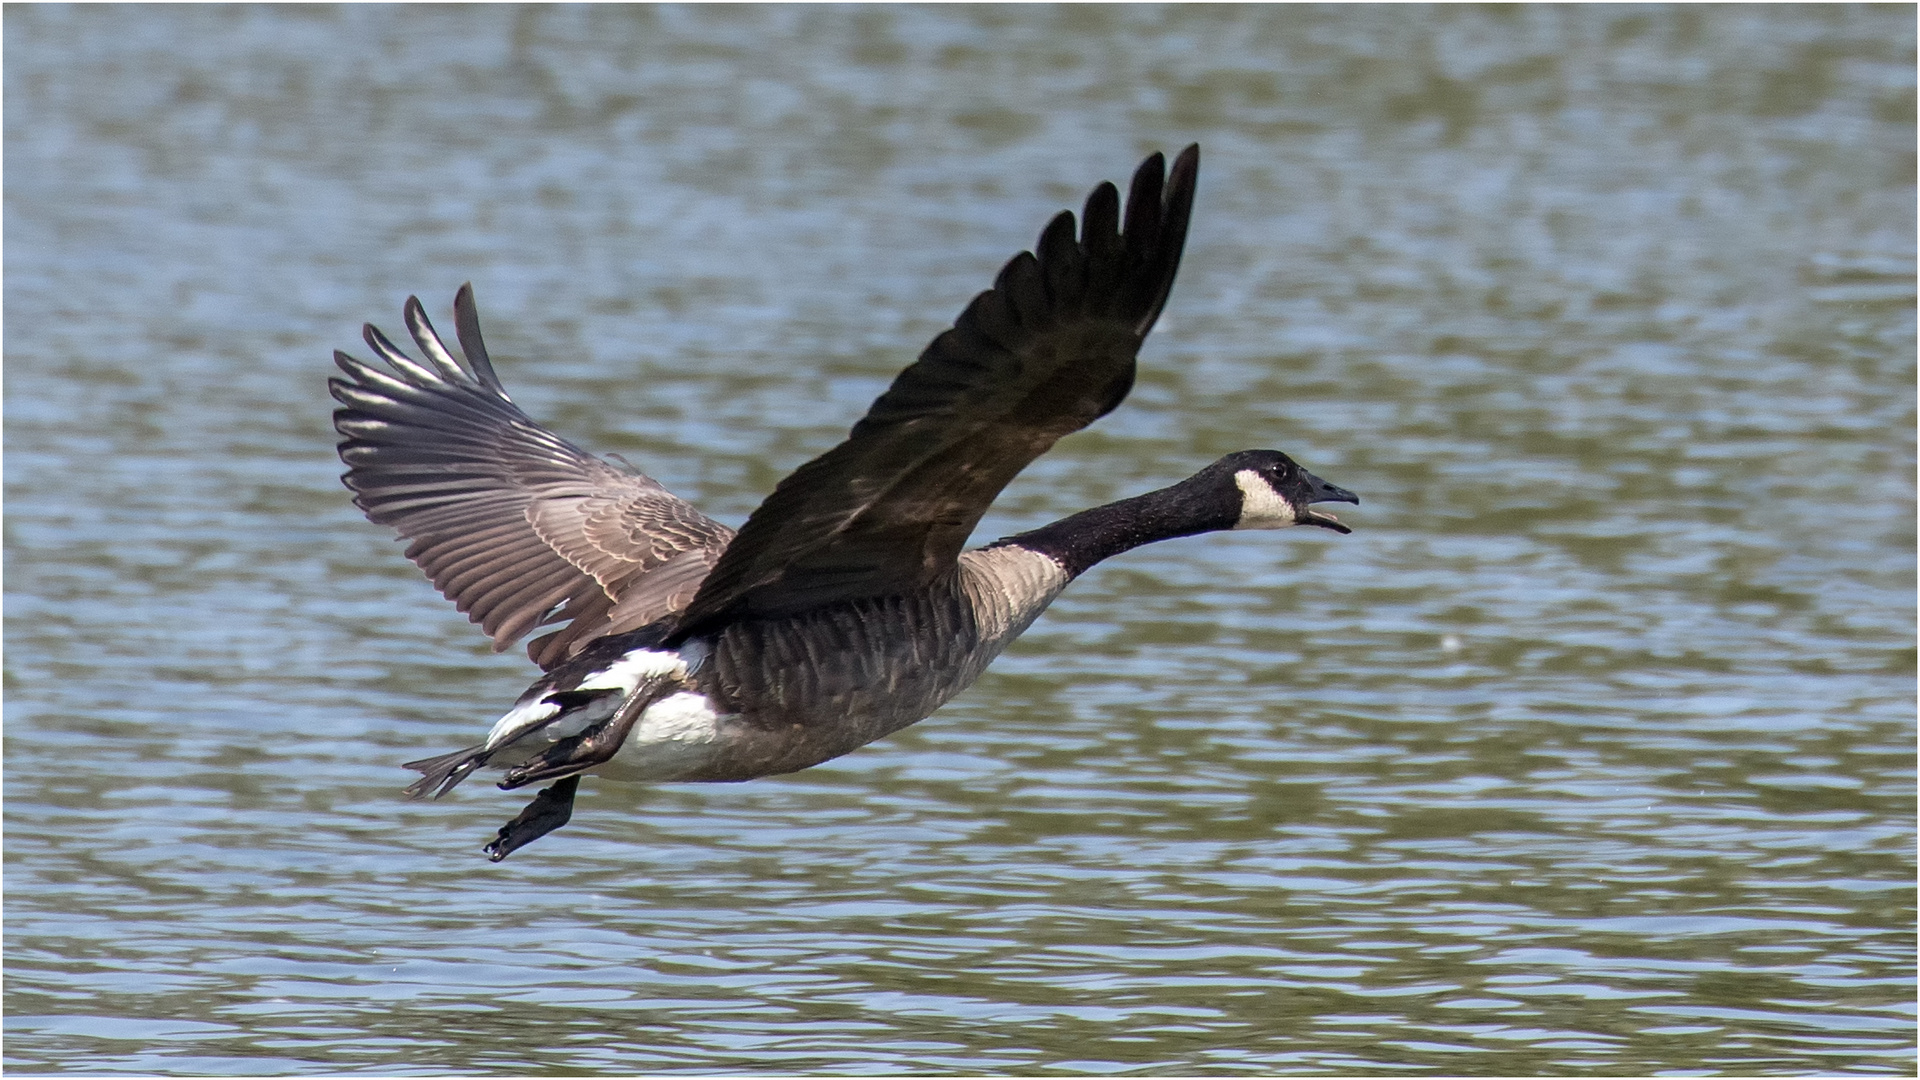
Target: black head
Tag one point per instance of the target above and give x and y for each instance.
(1275, 492)
(1253, 489)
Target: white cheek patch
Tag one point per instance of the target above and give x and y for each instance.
(1261, 507)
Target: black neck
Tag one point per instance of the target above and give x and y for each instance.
(1084, 539)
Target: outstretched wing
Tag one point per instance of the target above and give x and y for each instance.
(515, 525)
(1049, 349)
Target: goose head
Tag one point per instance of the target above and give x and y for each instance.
(1271, 491)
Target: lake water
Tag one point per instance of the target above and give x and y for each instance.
(1591, 751)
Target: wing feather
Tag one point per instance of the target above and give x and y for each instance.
(1049, 349)
(429, 342)
(466, 326)
(515, 525)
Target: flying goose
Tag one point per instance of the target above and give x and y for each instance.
(844, 609)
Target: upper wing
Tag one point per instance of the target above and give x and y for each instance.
(1045, 352)
(515, 525)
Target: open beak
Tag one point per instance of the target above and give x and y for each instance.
(1319, 491)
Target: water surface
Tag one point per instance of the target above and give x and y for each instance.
(1590, 751)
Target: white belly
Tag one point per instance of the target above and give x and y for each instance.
(674, 737)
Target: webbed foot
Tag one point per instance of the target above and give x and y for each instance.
(549, 810)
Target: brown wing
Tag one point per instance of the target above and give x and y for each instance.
(1049, 349)
(515, 525)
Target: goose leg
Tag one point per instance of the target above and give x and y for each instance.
(576, 754)
(549, 810)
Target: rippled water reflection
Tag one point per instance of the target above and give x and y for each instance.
(1590, 751)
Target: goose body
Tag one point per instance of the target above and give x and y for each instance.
(844, 609)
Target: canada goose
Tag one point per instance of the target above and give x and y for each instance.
(844, 609)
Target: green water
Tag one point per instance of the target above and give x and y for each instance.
(1591, 751)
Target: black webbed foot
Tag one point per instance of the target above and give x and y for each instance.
(549, 810)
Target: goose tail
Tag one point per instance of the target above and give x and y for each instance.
(440, 773)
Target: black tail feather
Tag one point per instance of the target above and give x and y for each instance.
(444, 771)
